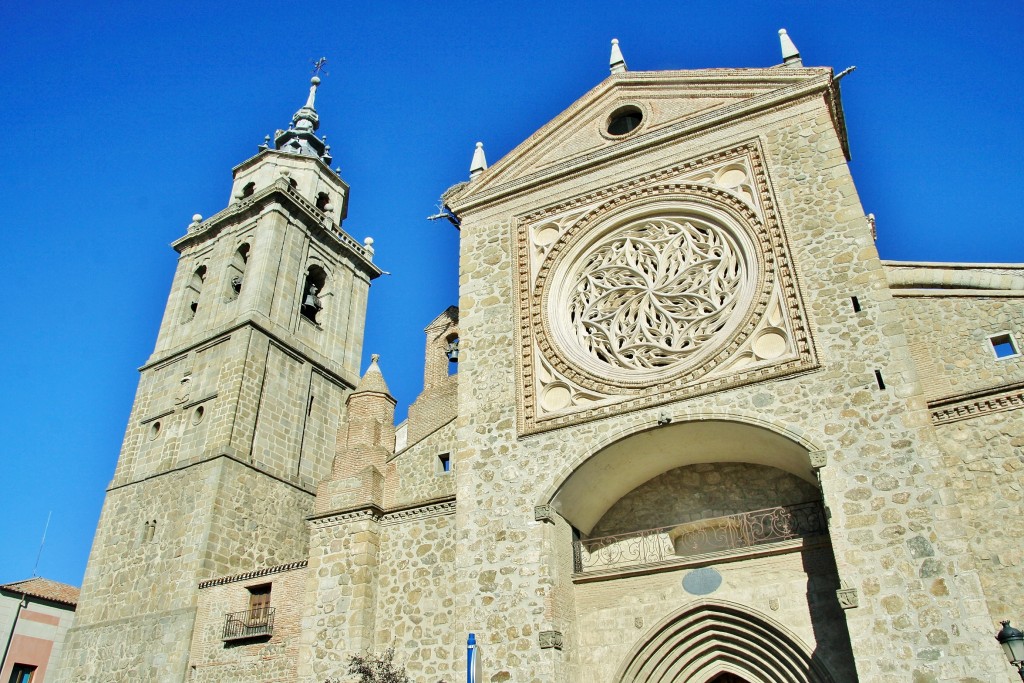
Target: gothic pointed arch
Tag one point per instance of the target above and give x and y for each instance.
(706, 640)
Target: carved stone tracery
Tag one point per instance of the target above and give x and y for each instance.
(672, 284)
(654, 292)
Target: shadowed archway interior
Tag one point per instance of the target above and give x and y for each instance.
(605, 477)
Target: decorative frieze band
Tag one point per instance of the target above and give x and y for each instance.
(255, 574)
(974, 405)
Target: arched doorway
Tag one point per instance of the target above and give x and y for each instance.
(718, 642)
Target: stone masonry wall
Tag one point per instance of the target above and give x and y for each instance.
(212, 519)
(949, 335)
(882, 455)
(687, 494)
(985, 456)
(796, 589)
(415, 475)
(415, 604)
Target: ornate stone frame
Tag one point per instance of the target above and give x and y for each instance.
(542, 235)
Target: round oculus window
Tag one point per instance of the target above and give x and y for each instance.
(625, 120)
(652, 295)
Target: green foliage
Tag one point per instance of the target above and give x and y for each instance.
(374, 668)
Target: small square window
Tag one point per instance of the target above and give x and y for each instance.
(444, 463)
(1004, 345)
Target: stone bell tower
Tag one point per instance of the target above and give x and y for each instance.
(228, 437)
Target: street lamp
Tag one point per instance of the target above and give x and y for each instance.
(1012, 641)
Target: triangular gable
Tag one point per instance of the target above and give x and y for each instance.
(668, 100)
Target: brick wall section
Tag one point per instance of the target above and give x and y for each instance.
(271, 659)
(438, 402)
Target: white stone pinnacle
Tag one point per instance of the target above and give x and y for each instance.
(790, 55)
(617, 63)
(479, 164)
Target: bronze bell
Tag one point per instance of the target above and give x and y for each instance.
(312, 301)
(452, 351)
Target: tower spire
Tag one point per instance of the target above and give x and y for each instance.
(301, 138)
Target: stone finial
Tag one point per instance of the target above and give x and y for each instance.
(617, 63)
(479, 164)
(790, 55)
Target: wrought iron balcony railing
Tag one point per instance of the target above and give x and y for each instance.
(714, 534)
(250, 623)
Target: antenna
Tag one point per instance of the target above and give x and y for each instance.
(42, 543)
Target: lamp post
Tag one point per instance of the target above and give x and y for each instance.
(1012, 641)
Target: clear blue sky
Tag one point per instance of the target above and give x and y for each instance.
(123, 119)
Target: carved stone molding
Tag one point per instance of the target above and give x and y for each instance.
(848, 598)
(370, 513)
(550, 640)
(543, 513)
(818, 459)
(956, 408)
(255, 574)
(674, 284)
(420, 512)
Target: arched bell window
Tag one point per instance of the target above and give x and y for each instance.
(248, 189)
(236, 271)
(312, 293)
(192, 292)
(323, 200)
(451, 350)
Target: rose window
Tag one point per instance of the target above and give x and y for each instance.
(653, 295)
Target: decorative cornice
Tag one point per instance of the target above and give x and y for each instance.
(371, 512)
(254, 574)
(976, 404)
(259, 201)
(421, 512)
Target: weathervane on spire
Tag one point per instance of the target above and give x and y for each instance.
(318, 66)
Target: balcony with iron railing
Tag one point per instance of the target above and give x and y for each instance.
(250, 623)
(736, 534)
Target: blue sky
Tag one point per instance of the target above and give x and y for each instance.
(122, 123)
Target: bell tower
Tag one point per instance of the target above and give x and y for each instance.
(228, 436)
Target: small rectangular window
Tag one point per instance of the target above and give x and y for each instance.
(856, 304)
(444, 463)
(23, 673)
(1004, 345)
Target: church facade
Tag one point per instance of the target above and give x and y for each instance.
(699, 430)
